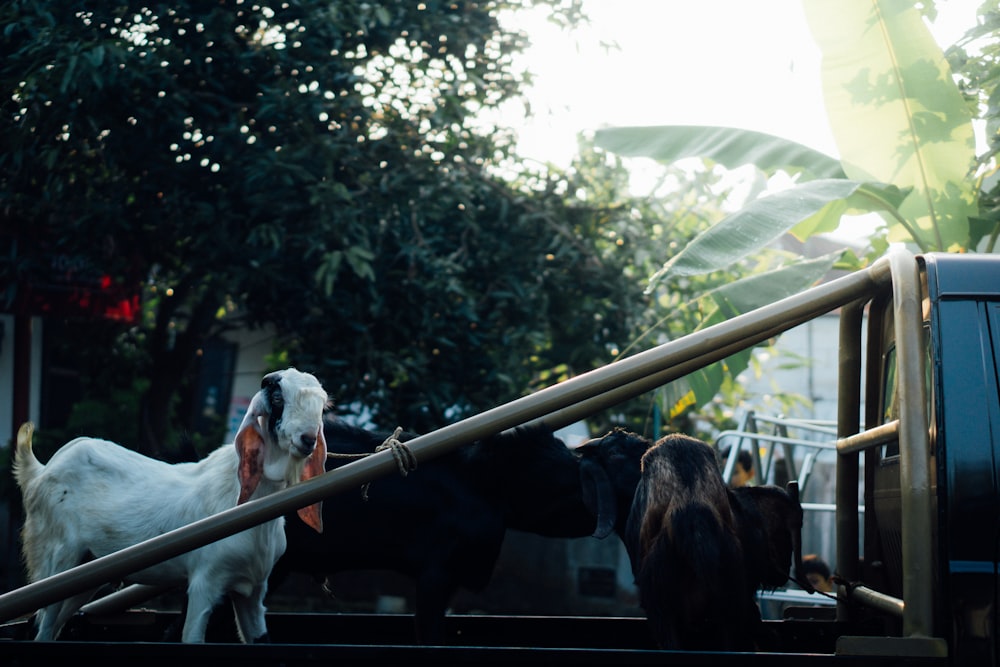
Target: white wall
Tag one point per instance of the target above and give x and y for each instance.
(817, 340)
(254, 346)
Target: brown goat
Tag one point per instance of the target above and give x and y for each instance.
(700, 550)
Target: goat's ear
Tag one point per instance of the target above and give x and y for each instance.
(257, 408)
(250, 447)
(312, 515)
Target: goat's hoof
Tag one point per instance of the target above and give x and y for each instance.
(263, 639)
(327, 588)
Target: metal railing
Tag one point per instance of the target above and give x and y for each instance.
(764, 449)
(911, 431)
(770, 443)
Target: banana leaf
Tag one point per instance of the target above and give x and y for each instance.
(808, 208)
(897, 115)
(727, 146)
(741, 296)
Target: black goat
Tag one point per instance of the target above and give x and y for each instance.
(610, 467)
(444, 523)
(700, 551)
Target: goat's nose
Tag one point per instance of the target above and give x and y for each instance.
(308, 441)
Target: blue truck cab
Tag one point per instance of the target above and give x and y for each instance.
(960, 327)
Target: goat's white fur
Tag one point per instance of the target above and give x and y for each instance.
(95, 497)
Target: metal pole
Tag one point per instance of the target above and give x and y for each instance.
(873, 437)
(914, 448)
(880, 601)
(848, 469)
(740, 330)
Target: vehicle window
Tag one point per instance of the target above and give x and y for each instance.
(994, 324)
(890, 398)
(890, 388)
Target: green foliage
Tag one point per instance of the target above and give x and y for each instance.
(317, 168)
(901, 124)
(813, 207)
(976, 62)
(899, 117)
(905, 136)
(680, 204)
(726, 146)
(475, 293)
(321, 169)
(114, 416)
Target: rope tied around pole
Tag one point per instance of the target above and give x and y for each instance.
(405, 459)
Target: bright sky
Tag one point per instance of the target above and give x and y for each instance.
(712, 62)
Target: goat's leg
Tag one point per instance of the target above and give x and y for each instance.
(434, 592)
(45, 619)
(51, 619)
(202, 598)
(250, 611)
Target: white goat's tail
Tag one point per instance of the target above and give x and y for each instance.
(26, 466)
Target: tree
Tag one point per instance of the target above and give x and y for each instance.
(317, 167)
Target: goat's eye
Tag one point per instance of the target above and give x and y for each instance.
(276, 397)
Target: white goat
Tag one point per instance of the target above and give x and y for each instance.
(95, 497)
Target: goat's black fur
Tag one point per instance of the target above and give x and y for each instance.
(700, 551)
(444, 523)
(610, 470)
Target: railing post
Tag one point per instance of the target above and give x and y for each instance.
(914, 448)
(848, 423)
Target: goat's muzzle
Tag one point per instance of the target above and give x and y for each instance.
(306, 444)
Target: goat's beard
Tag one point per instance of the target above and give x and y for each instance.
(293, 471)
(285, 469)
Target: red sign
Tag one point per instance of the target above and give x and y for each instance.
(106, 301)
(72, 287)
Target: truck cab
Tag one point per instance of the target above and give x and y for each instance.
(930, 534)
